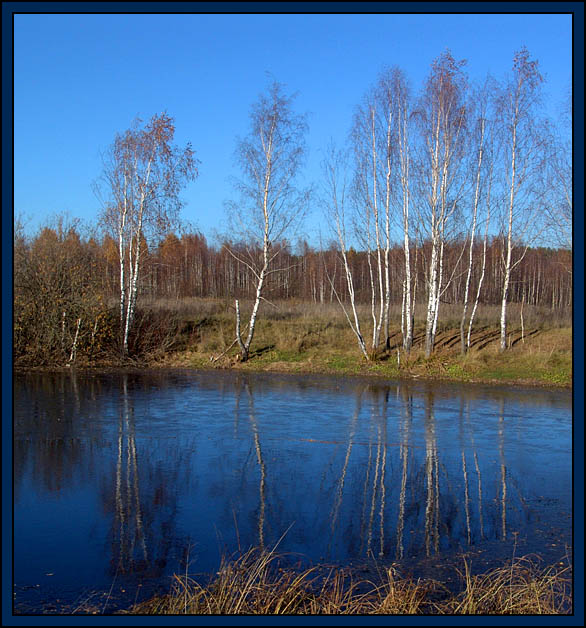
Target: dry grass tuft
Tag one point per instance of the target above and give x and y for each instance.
(256, 584)
(250, 584)
(522, 588)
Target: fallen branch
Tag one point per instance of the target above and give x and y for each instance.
(215, 359)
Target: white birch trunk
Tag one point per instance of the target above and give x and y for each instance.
(356, 326)
(134, 265)
(480, 281)
(441, 239)
(431, 300)
(438, 292)
(509, 252)
(63, 332)
(387, 304)
(254, 314)
(435, 239)
(268, 148)
(503, 341)
(408, 329)
(403, 311)
(238, 331)
(522, 322)
(338, 215)
(404, 159)
(121, 256)
(74, 346)
(377, 320)
(463, 344)
(129, 305)
(372, 299)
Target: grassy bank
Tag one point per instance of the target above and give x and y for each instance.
(311, 338)
(301, 337)
(255, 583)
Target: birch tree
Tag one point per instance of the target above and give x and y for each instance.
(401, 98)
(374, 134)
(482, 154)
(560, 182)
(443, 122)
(487, 219)
(142, 177)
(271, 205)
(367, 198)
(335, 200)
(524, 158)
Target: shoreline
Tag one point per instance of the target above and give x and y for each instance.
(261, 581)
(364, 370)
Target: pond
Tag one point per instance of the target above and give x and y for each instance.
(123, 479)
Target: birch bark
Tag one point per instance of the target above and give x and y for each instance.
(334, 169)
(463, 341)
(509, 240)
(444, 117)
(407, 315)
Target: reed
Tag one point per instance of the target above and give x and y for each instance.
(521, 588)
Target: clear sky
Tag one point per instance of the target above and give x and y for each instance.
(79, 79)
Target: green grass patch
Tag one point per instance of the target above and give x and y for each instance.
(344, 363)
(538, 367)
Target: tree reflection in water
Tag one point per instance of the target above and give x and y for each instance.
(433, 500)
(128, 542)
(501, 440)
(141, 494)
(405, 420)
(262, 467)
(335, 511)
(432, 514)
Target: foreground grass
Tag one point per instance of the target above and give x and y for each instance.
(304, 338)
(255, 583)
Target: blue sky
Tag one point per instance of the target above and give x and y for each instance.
(79, 79)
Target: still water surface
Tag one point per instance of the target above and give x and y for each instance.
(121, 480)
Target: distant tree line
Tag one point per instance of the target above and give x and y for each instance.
(187, 266)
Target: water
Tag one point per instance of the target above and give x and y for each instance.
(123, 479)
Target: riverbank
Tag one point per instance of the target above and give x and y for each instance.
(256, 584)
(307, 339)
(542, 358)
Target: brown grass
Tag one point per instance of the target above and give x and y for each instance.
(522, 588)
(255, 583)
(303, 337)
(300, 325)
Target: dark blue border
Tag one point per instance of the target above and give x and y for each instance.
(7, 230)
(579, 317)
(8, 10)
